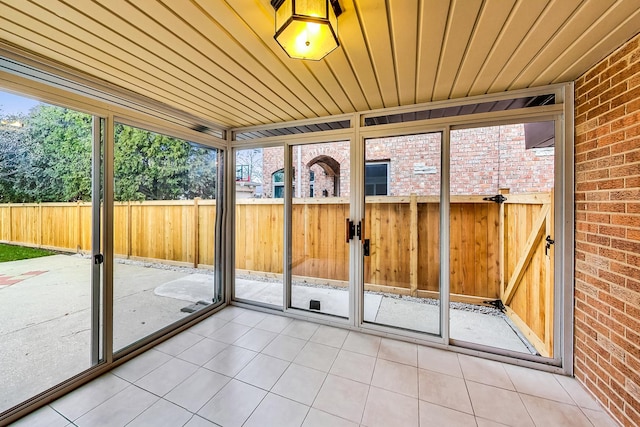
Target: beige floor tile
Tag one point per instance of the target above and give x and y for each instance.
(537, 383)
(255, 339)
(161, 413)
(208, 326)
(249, 318)
(317, 418)
(203, 351)
(230, 312)
(284, 347)
(444, 390)
(178, 343)
(342, 397)
(230, 361)
(300, 383)
(362, 343)
(43, 417)
(163, 379)
(550, 413)
(386, 408)
(578, 393)
(232, 405)
(396, 377)
(484, 371)
(197, 421)
(196, 390)
(599, 418)
(488, 423)
(434, 415)
(300, 329)
(443, 361)
(354, 366)
(273, 323)
(327, 335)
(263, 371)
(140, 366)
(230, 332)
(498, 404)
(317, 356)
(398, 351)
(277, 411)
(90, 395)
(120, 409)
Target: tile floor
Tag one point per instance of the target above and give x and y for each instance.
(246, 368)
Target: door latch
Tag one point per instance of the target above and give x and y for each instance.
(498, 198)
(550, 242)
(98, 259)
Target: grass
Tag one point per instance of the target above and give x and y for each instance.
(14, 253)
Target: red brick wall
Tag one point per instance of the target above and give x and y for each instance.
(607, 270)
(483, 160)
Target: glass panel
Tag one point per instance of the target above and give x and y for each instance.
(501, 271)
(314, 8)
(319, 252)
(461, 110)
(165, 211)
(45, 265)
(402, 228)
(260, 227)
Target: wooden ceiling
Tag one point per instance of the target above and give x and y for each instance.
(217, 59)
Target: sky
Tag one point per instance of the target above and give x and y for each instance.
(14, 104)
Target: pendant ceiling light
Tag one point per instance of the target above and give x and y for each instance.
(307, 29)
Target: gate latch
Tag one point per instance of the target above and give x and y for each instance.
(550, 242)
(98, 259)
(498, 198)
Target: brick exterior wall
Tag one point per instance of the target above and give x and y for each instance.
(607, 269)
(483, 160)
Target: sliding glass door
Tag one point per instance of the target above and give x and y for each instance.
(50, 263)
(401, 245)
(320, 193)
(166, 225)
(502, 237)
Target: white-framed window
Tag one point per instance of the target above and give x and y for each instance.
(376, 179)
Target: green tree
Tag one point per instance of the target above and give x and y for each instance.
(15, 159)
(60, 153)
(203, 169)
(149, 166)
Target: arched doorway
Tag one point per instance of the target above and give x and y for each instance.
(324, 176)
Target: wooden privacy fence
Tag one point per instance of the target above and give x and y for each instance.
(497, 251)
(180, 232)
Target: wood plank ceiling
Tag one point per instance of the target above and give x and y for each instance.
(217, 59)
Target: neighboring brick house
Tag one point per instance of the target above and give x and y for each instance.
(483, 160)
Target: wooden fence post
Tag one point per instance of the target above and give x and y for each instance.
(413, 236)
(502, 239)
(40, 224)
(10, 224)
(79, 229)
(196, 232)
(129, 232)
